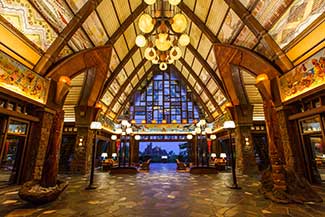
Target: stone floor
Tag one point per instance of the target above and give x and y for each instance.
(162, 192)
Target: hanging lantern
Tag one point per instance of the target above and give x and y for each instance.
(162, 43)
(175, 53)
(150, 53)
(179, 23)
(146, 23)
(184, 40)
(150, 2)
(140, 41)
(163, 66)
(174, 2)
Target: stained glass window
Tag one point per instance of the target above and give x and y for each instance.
(165, 98)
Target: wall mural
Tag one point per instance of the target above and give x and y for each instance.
(18, 78)
(306, 76)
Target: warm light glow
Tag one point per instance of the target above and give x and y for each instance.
(193, 133)
(189, 136)
(113, 137)
(114, 155)
(140, 41)
(229, 125)
(228, 105)
(184, 40)
(129, 130)
(174, 122)
(184, 121)
(143, 122)
(153, 121)
(223, 155)
(133, 121)
(198, 130)
(118, 130)
(150, 53)
(174, 2)
(95, 125)
(98, 105)
(202, 122)
(179, 24)
(162, 43)
(163, 66)
(65, 79)
(213, 137)
(175, 53)
(213, 155)
(150, 2)
(261, 77)
(146, 23)
(124, 123)
(164, 121)
(137, 137)
(104, 155)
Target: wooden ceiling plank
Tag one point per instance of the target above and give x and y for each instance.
(249, 20)
(54, 50)
(119, 68)
(125, 84)
(205, 89)
(208, 68)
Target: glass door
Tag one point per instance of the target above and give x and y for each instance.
(12, 152)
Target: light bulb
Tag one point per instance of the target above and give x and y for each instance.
(140, 41)
(184, 40)
(150, 2)
(179, 24)
(146, 23)
(174, 2)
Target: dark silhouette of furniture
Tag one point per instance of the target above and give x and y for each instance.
(180, 165)
(145, 165)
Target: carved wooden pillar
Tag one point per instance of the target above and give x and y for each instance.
(50, 168)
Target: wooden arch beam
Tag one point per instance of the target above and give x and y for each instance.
(95, 61)
(203, 86)
(249, 20)
(228, 56)
(54, 50)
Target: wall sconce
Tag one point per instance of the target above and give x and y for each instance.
(246, 140)
(80, 142)
(189, 136)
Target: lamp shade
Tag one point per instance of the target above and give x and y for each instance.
(229, 125)
(95, 125)
(175, 53)
(113, 137)
(213, 137)
(150, 2)
(163, 66)
(150, 53)
(118, 130)
(146, 23)
(114, 154)
(189, 136)
(137, 137)
(140, 41)
(174, 2)
(213, 155)
(179, 24)
(162, 43)
(104, 155)
(223, 155)
(184, 40)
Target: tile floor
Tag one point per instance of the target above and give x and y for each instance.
(161, 192)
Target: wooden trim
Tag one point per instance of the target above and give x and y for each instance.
(307, 113)
(18, 115)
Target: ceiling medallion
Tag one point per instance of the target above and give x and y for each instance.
(161, 36)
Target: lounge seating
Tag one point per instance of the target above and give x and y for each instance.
(108, 163)
(145, 165)
(220, 163)
(180, 165)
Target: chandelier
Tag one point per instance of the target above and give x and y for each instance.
(161, 36)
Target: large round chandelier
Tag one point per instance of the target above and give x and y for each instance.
(161, 36)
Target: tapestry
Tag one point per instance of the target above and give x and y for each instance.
(16, 77)
(306, 76)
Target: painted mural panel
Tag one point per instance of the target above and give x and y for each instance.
(22, 15)
(18, 78)
(306, 76)
(296, 19)
(79, 41)
(95, 30)
(267, 12)
(55, 11)
(229, 27)
(246, 38)
(107, 98)
(76, 4)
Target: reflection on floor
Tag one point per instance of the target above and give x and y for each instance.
(162, 192)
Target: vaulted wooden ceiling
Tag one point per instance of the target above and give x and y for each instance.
(41, 33)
